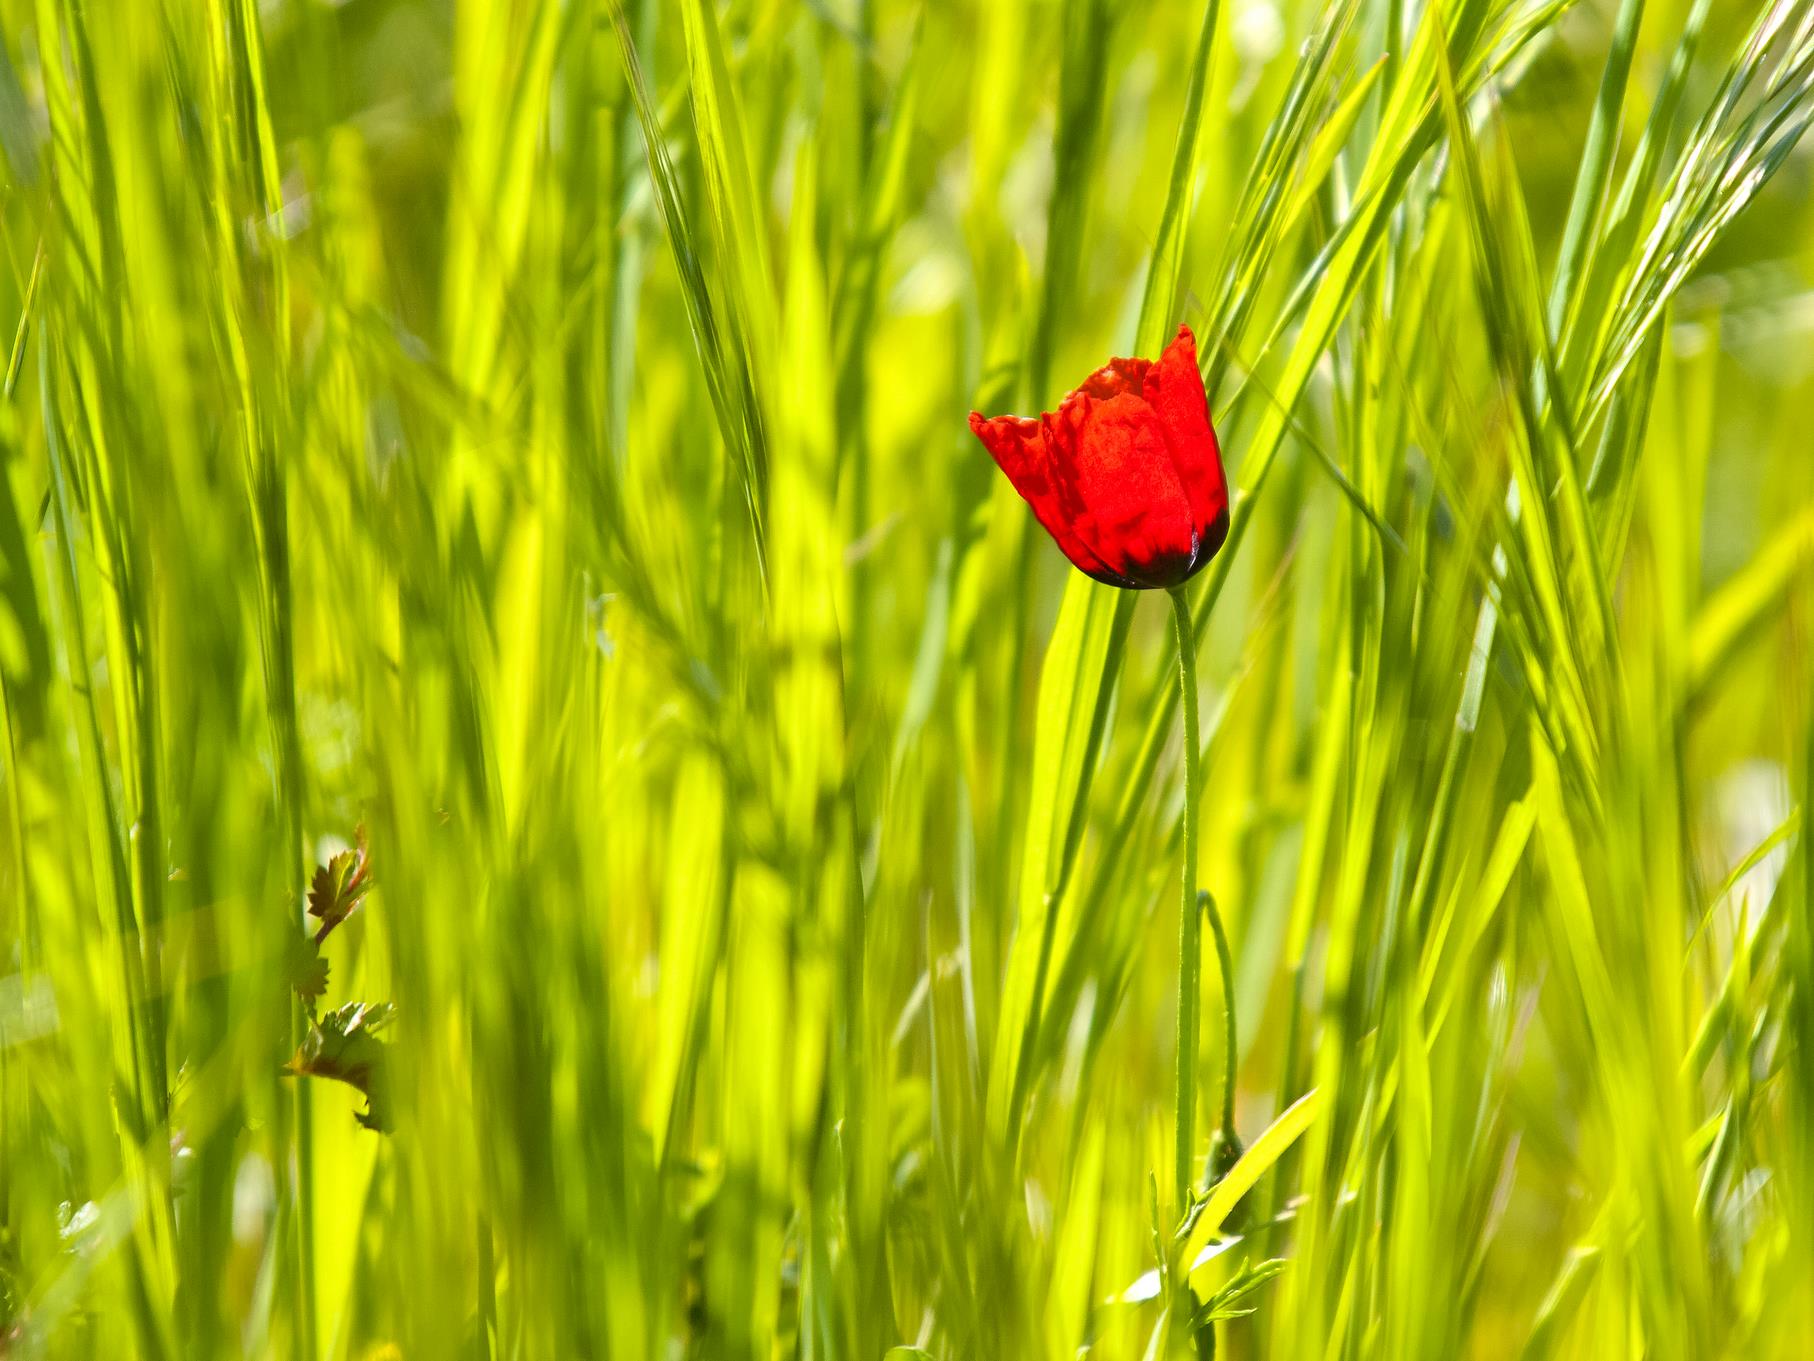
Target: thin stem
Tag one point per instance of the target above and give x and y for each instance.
(1189, 930)
(1206, 901)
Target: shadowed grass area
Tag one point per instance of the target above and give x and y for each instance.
(507, 638)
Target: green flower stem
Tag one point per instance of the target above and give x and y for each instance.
(1189, 929)
(1206, 902)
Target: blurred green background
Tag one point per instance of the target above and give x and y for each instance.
(534, 433)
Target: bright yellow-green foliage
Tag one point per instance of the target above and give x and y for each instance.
(534, 431)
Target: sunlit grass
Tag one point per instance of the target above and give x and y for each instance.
(535, 434)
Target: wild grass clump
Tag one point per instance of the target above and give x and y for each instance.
(534, 434)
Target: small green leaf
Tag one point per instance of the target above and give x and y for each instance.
(344, 1046)
(339, 885)
(308, 970)
(1230, 1300)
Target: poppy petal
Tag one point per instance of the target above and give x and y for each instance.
(1129, 503)
(1116, 377)
(1174, 387)
(1018, 446)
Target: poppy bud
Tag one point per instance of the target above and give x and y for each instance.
(1125, 475)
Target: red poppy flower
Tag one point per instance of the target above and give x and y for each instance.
(1125, 475)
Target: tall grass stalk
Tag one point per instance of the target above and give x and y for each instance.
(534, 434)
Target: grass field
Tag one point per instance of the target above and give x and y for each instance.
(554, 803)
